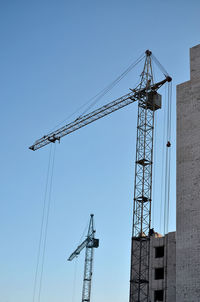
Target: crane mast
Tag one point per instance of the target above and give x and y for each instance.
(89, 244)
(148, 102)
(140, 247)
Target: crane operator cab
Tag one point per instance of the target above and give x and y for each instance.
(95, 243)
(153, 101)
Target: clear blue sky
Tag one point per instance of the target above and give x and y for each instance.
(54, 56)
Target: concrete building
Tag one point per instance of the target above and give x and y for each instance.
(163, 268)
(188, 184)
(174, 273)
(175, 258)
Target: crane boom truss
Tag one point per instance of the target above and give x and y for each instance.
(84, 120)
(79, 249)
(92, 116)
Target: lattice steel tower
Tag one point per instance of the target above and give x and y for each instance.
(140, 248)
(89, 244)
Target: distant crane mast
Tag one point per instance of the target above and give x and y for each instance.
(148, 102)
(89, 244)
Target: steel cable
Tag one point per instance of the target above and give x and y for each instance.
(114, 83)
(102, 93)
(162, 197)
(154, 171)
(74, 281)
(42, 226)
(167, 184)
(47, 223)
(159, 65)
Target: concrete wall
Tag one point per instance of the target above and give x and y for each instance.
(188, 185)
(171, 267)
(168, 262)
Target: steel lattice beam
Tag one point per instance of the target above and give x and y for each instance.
(139, 275)
(93, 116)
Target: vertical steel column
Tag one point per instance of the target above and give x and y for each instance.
(139, 275)
(87, 279)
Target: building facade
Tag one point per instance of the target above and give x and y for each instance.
(188, 185)
(174, 273)
(163, 267)
(175, 258)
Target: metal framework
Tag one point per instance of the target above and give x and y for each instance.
(89, 243)
(84, 120)
(148, 102)
(140, 248)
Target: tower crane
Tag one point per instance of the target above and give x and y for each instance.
(149, 101)
(89, 244)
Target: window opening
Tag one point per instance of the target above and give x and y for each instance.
(158, 295)
(159, 273)
(159, 251)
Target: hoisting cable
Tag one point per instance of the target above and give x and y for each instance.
(167, 183)
(162, 196)
(74, 281)
(92, 101)
(154, 172)
(47, 224)
(162, 193)
(154, 160)
(168, 161)
(42, 226)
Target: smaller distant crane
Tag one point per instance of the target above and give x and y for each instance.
(89, 243)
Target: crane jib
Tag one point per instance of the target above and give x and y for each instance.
(95, 115)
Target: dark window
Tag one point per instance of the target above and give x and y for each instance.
(159, 273)
(158, 295)
(159, 251)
